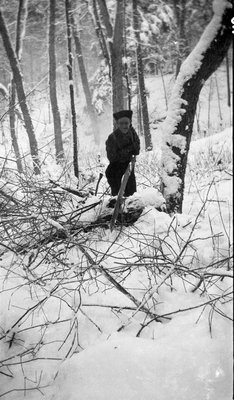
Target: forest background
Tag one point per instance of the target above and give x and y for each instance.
(163, 274)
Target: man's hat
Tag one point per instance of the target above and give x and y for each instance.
(123, 113)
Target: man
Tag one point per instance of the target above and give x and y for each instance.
(121, 146)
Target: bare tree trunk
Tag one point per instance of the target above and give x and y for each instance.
(178, 125)
(209, 104)
(128, 97)
(116, 59)
(20, 33)
(139, 113)
(15, 145)
(84, 81)
(228, 82)
(100, 34)
(164, 86)
(106, 19)
(140, 76)
(218, 98)
(180, 13)
(21, 26)
(68, 6)
(116, 43)
(125, 65)
(20, 92)
(52, 83)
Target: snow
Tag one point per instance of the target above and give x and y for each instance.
(146, 197)
(157, 104)
(66, 331)
(219, 6)
(218, 144)
(152, 220)
(55, 224)
(177, 106)
(193, 61)
(81, 339)
(135, 368)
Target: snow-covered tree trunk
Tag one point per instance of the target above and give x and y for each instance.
(84, 81)
(68, 7)
(178, 125)
(140, 77)
(52, 83)
(15, 66)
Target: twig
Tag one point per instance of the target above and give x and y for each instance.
(184, 310)
(116, 284)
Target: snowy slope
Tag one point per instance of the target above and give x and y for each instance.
(143, 312)
(213, 115)
(135, 369)
(69, 332)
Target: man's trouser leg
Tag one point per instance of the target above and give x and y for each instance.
(113, 175)
(131, 185)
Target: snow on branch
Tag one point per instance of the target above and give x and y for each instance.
(178, 106)
(191, 65)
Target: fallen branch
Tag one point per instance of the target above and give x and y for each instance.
(69, 190)
(117, 285)
(180, 310)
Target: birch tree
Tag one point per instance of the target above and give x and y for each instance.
(140, 78)
(52, 84)
(177, 128)
(68, 8)
(115, 46)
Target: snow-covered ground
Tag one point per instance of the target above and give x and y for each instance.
(142, 312)
(213, 115)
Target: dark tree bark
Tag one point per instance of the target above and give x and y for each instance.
(116, 59)
(15, 66)
(106, 18)
(128, 96)
(21, 27)
(84, 81)
(20, 33)
(68, 6)
(139, 113)
(52, 84)
(211, 58)
(140, 77)
(116, 47)
(100, 34)
(14, 141)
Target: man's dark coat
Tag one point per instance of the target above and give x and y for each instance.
(120, 148)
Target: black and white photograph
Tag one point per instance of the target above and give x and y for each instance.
(116, 199)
